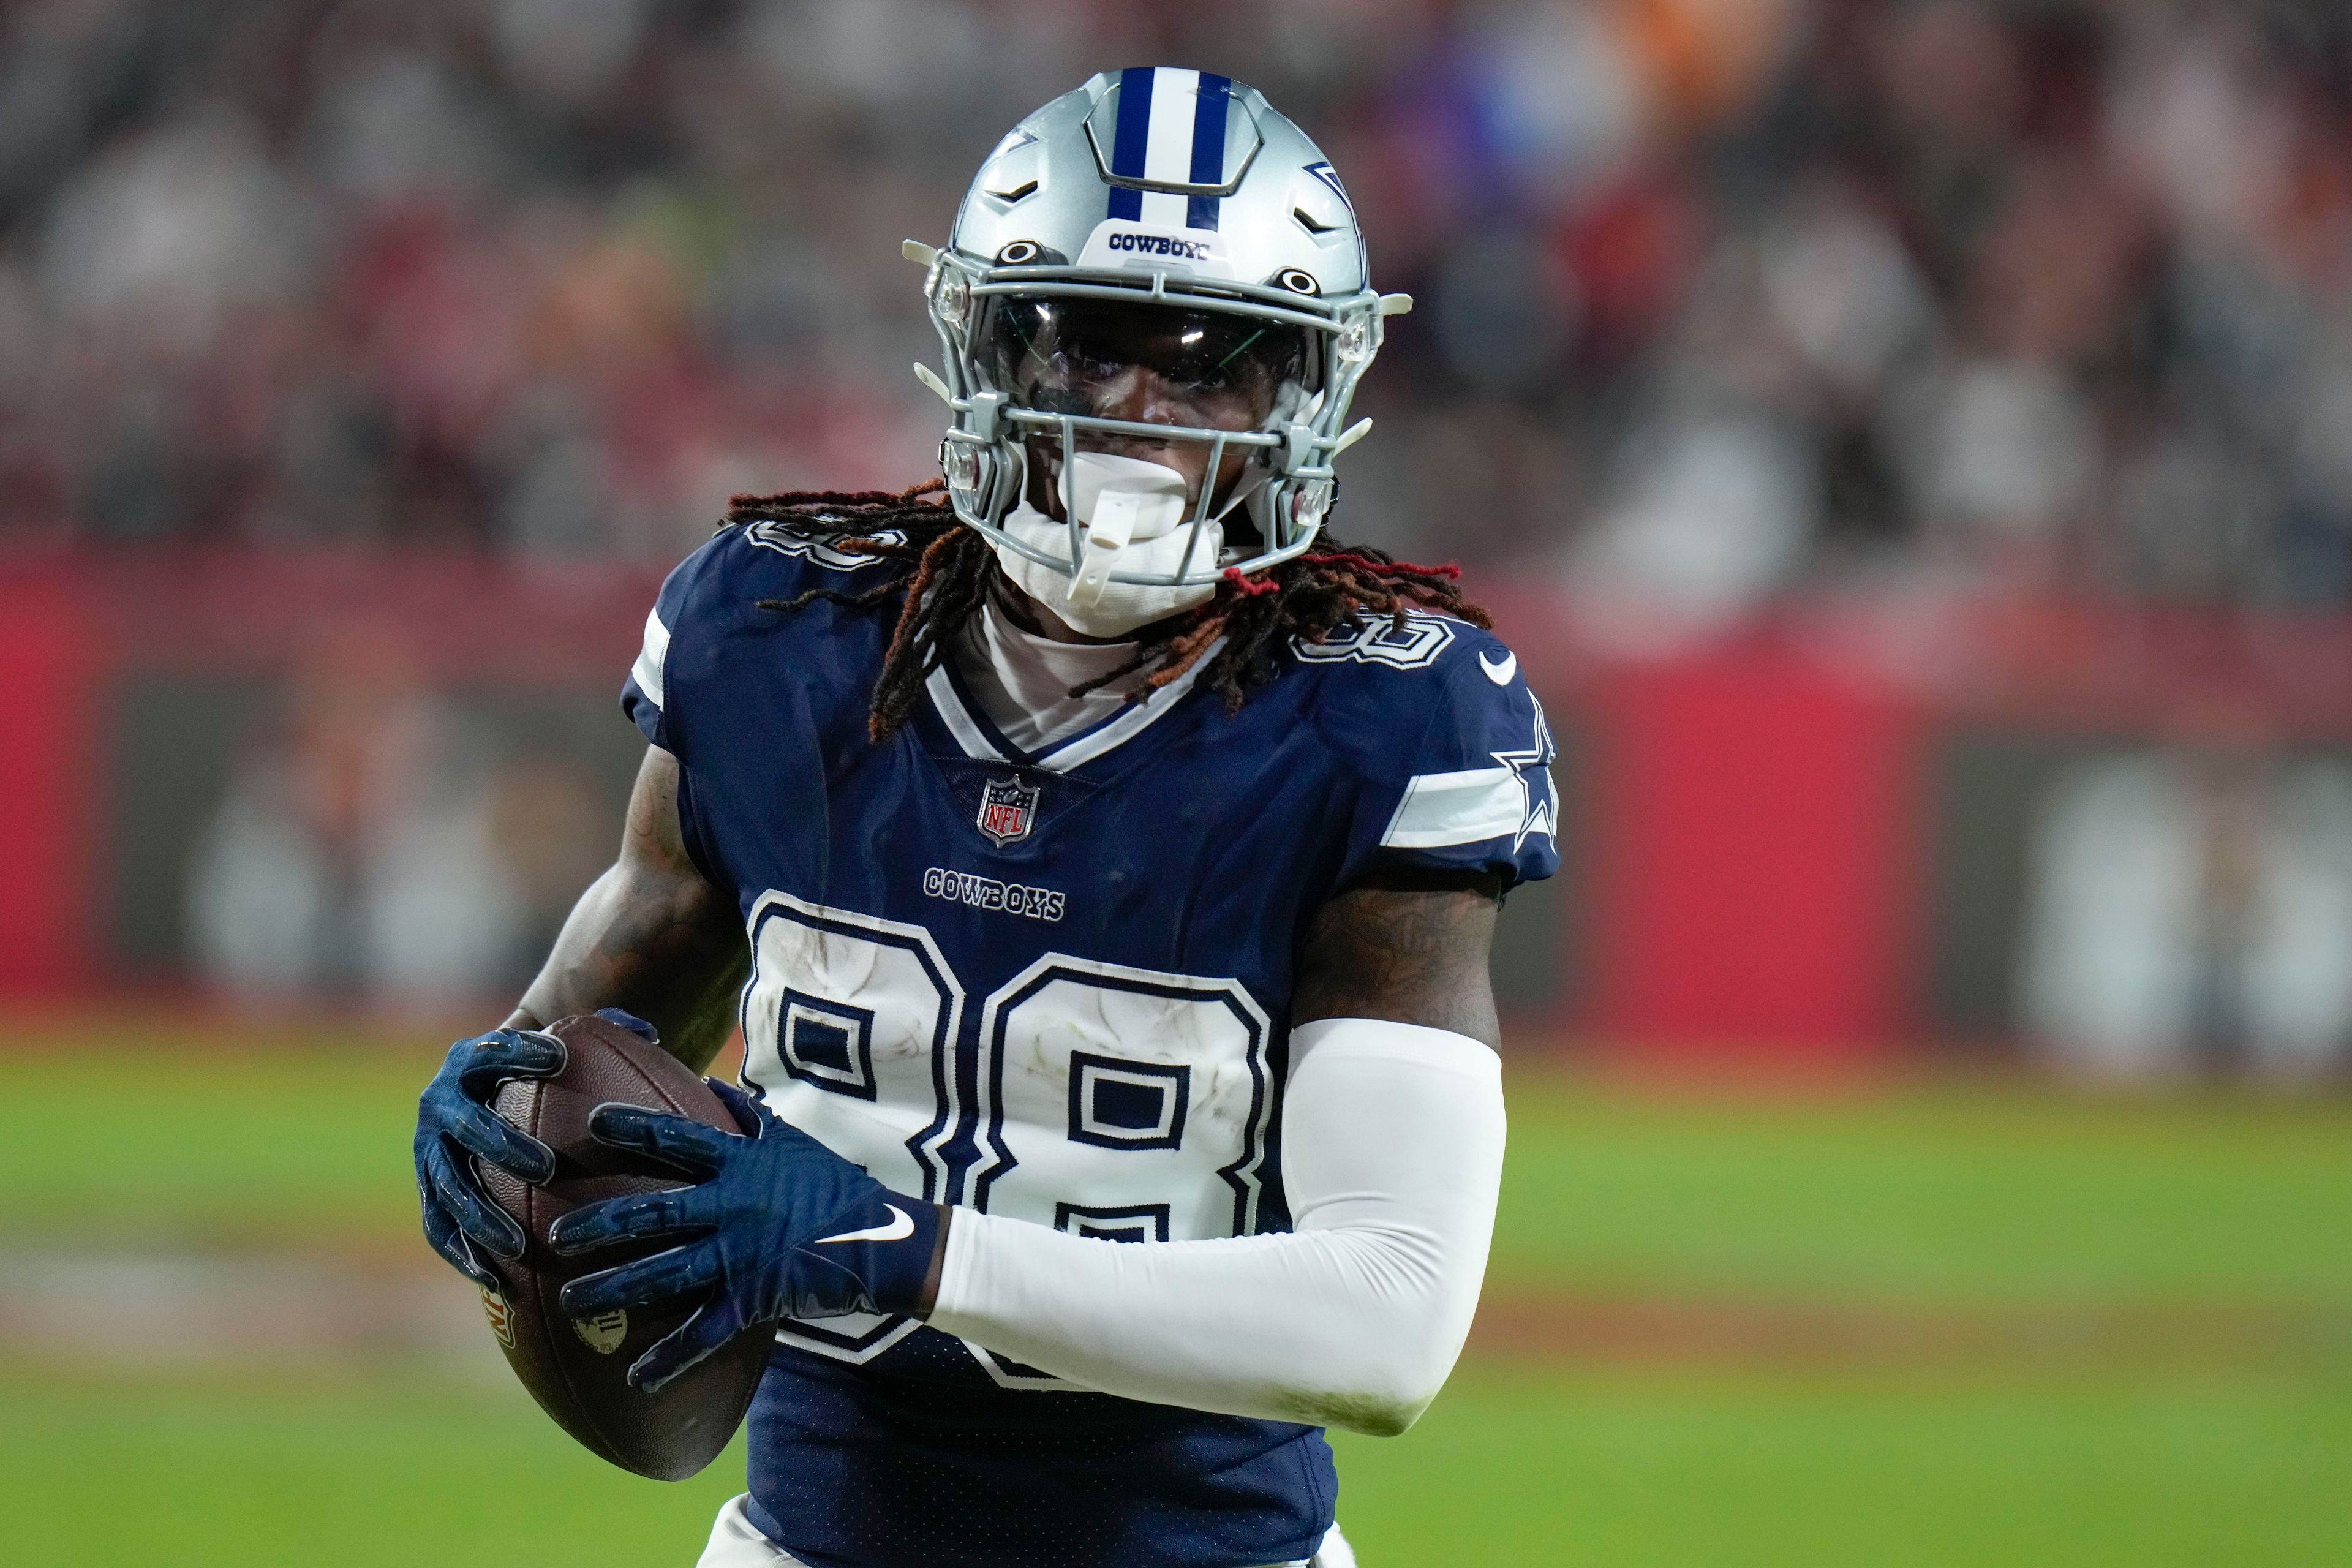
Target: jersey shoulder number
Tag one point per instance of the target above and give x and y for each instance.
(1379, 640)
(776, 536)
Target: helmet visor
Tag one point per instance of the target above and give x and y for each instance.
(1156, 365)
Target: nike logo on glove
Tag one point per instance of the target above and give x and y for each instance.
(901, 1227)
(1500, 673)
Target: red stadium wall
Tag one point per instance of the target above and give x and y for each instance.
(1748, 814)
(1751, 888)
(49, 842)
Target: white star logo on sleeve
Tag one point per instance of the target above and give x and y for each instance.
(1538, 800)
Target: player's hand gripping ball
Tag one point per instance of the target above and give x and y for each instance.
(577, 1368)
(453, 1120)
(777, 1227)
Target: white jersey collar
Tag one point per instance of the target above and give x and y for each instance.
(1002, 687)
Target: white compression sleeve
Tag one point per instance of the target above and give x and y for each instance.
(1393, 1149)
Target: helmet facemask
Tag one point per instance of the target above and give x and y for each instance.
(1195, 373)
(1053, 361)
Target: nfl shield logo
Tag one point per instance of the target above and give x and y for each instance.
(494, 1307)
(1007, 809)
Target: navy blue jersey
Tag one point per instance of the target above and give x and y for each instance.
(1053, 986)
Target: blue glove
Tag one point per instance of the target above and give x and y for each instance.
(453, 1121)
(785, 1227)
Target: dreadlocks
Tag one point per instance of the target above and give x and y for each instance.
(949, 567)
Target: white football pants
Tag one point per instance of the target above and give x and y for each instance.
(735, 1544)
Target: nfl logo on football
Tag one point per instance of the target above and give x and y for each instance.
(1007, 809)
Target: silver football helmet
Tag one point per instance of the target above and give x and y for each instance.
(1168, 218)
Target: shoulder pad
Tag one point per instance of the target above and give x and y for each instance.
(1455, 761)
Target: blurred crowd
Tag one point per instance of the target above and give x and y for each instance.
(1717, 297)
(373, 841)
(2190, 910)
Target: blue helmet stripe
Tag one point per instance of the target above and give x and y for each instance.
(1208, 148)
(1134, 136)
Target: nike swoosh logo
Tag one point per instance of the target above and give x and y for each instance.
(901, 1227)
(1500, 674)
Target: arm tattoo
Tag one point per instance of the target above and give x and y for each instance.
(1411, 949)
(652, 935)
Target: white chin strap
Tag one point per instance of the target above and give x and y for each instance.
(1132, 517)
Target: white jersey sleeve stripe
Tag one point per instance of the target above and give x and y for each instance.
(647, 672)
(1468, 808)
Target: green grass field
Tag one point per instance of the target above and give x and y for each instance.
(2046, 1214)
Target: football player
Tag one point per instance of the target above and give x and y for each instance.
(1101, 863)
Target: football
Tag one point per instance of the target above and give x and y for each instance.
(578, 1369)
